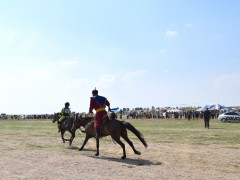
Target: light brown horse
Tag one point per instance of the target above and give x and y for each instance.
(114, 128)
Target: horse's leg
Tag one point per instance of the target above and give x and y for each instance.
(125, 137)
(85, 141)
(117, 139)
(62, 134)
(72, 137)
(97, 146)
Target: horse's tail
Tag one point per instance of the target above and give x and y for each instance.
(136, 132)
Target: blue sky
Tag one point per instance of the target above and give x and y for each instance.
(137, 53)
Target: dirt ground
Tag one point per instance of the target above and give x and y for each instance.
(49, 158)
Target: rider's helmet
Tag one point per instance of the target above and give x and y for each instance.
(95, 92)
(67, 104)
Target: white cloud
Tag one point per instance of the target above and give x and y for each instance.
(130, 76)
(8, 37)
(105, 80)
(188, 25)
(14, 38)
(170, 33)
(228, 82)
(68, 63)
(23, 77)
(162, 51)
(19, 43)
(226, 88)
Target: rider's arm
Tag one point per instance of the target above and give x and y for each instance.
(108, 104)
(91, 106)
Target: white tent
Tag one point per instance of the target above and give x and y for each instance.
(211, 107)
(174, 110)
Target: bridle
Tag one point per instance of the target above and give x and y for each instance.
(56, 117)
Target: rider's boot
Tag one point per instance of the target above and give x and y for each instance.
(97, 133)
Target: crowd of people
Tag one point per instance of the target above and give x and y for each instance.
(164, 114)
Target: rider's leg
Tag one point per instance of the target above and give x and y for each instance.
(97, 133)
(98, 122)
(59, 122)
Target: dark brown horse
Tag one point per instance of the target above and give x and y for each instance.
(82, 121)
(114, 128)
(65, 126)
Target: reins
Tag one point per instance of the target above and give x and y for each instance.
(78, 125)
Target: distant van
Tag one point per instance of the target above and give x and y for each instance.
(4, 116)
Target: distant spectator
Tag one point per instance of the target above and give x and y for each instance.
(206, 116)
(127, 114)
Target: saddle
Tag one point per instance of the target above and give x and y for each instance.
(104, 122)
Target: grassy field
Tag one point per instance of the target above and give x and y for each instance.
(155, 131)
(190, 132)
(176, 148)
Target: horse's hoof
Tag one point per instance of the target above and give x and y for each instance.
(123, 157)
(80, 149)
(138, 153)
(97, 154)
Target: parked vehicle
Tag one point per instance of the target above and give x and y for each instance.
(229, 117)
(3, 116)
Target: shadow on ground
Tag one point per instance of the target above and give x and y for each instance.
(76, 148)
(129, 161)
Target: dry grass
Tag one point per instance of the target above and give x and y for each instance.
(177, 150)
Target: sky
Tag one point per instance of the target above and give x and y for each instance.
(137, 53)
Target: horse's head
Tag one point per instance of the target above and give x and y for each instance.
(113, 116)
(56, 117)
(77, 122)
(81, 120)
